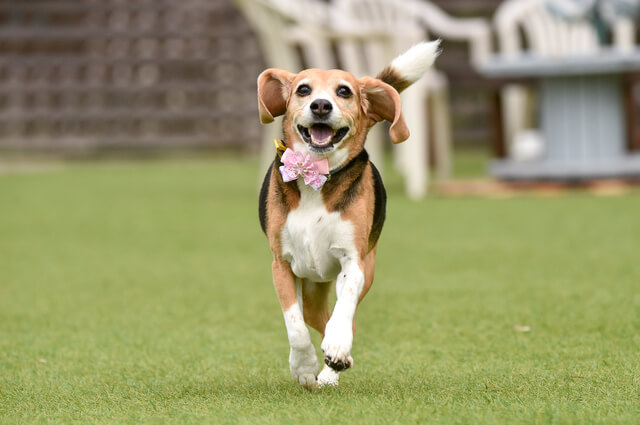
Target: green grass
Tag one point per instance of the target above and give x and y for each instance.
(141, 293)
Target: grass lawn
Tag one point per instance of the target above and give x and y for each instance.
(141, 293)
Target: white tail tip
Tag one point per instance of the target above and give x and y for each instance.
(413, 63)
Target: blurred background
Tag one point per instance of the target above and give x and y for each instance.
(135, 282)
(86, 77)
(94, 79)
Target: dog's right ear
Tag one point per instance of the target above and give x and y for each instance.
(274, 87)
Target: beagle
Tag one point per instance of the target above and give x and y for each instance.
(322, 202)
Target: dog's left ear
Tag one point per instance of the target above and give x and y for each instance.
(274, 86)
(382, 102)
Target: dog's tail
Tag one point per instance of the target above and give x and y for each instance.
(407, 68)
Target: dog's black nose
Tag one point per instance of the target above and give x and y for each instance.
(321, 107)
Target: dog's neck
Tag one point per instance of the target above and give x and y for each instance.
(338, 191)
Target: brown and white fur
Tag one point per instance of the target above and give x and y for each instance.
(329, 235)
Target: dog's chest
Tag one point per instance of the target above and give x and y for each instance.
(314, 240)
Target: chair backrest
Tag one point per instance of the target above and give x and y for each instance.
(546, 34)
(360, 36)
(624, 34)
(372, 32)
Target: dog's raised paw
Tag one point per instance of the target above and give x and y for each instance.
(336, 345)
(337, 363)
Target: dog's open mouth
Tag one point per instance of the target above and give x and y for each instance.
(321, 136)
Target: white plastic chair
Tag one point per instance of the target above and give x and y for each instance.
(367, 34)
(548, 36)
(403, 24)
(476, 32)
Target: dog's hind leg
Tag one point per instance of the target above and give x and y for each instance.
(369, 268)
(303, 361)
(315, 302)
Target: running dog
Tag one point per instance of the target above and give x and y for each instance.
(322, 202)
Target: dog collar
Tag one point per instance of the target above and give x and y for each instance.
(280, 146)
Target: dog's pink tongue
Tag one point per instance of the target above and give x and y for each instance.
(321, 134)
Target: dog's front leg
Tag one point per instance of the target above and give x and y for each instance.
(338, 339)
(303, 362)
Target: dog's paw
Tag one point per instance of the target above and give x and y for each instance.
(328, 377)
(338, 364)
(336, 345)
(303, 364)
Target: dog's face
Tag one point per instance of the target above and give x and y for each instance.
(328, 113)
(324, 108)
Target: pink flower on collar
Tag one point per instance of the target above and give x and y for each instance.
(297, 164)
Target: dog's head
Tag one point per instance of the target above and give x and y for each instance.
(328, 113)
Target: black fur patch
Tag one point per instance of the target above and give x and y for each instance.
(351, 173)
(284, 194)
(262, 202)
(380, 207)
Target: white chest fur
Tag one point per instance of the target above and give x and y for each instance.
(314, 240)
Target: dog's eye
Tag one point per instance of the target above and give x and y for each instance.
(344, 91)
(303, 90)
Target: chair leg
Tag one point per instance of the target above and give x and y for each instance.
(375, 146)
(514, 100)
(413, 153)
(441, 124)
(267, 149)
